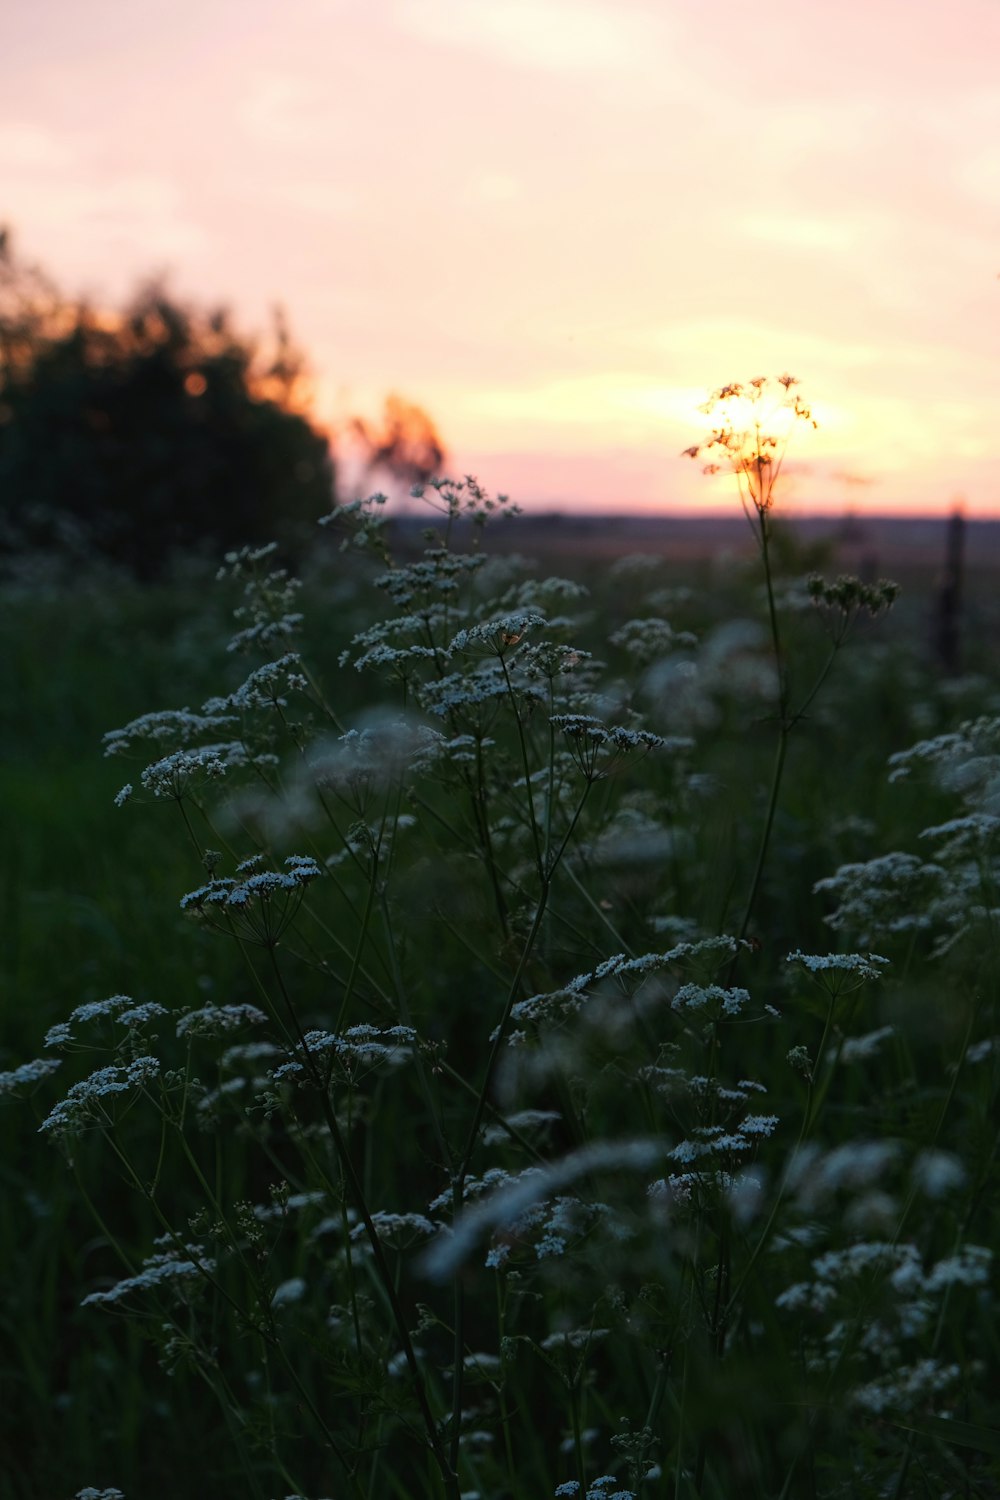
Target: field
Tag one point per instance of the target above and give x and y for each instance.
(531, 1029)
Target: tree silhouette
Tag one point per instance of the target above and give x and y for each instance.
(143, 432)
(406, 445)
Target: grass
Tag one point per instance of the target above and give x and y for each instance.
(709, 1337)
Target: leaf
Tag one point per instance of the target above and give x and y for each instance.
(947, 1430)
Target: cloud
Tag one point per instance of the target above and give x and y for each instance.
(314, 197)
(141, 212)
(28, 147)
(53, 190)
(493, 188)
(561, 36)
(800, 232)
(741, 348)
(582, 403)
(979, 174)
(854, 480)
(275, 111)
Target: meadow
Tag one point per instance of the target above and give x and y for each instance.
(527, 1029)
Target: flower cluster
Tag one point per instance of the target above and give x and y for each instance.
(178, 727)
(172, 1270)
(264, 901)
(496, 637)
(438, 575)
(876, 1299)
(887, 896)
(28, 1074)
(268, 598)
(464, 497)
(183, 771)
(264, 688)
(115, 1007)
(353, 1053)
(598, 749)
(849, 596)
(84, 1103)
(752, 422)
(646, 640)
(218, 1020)
(606, 1487)
(966, 761)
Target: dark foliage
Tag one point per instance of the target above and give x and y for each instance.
(145, 432)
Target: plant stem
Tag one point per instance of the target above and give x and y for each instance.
(378, 1255)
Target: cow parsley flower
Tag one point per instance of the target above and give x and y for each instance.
(217, 1020)
(966, 761)
(979, 1051)
(573, 1339)
(437, 575)
(399, 1230)
(28, 1073)
(84, 1103)
(292, 1290)
(497, 636)
(598, 1489)
(893, 894)
(863, 1048)
(140, 1015)
(91, 1010)
(904, 1390)
(179, 727)
(599, 748)
(265, 687)
(849, 597)
(265, 901)
(178, 773)
(858, 966)
(718, 1001)
(645, 640)
(168, 1269)
(354, 1052)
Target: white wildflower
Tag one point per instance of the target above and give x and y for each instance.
(167, 1269)
(862, 1048)
(217, 1020)
(292, 1290)
(937, 1173)
(28, 1073)
(859, 965)
(179, 727)
(497, 637)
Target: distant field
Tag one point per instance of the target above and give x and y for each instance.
(887, 541)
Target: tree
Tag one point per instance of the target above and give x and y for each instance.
(406, 446)
(147, 431)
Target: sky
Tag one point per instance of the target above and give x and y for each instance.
(556, 225)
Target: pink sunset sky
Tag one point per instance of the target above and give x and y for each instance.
(555, 224)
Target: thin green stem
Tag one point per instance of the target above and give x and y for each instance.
(378, 1255)
(526, 766)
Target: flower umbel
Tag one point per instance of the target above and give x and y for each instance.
(752, 425)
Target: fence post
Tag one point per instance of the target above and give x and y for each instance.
(949, 603)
